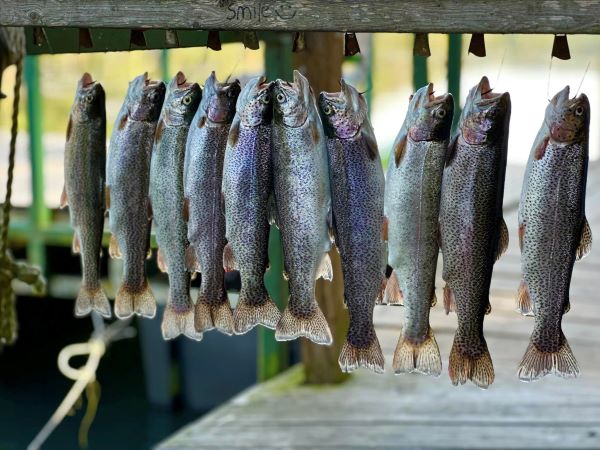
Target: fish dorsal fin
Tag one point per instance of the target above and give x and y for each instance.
(502, 239)
(585, 243)
(451, 152)
(367, 133)
(540, 147)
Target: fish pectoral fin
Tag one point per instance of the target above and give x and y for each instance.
(234, 132)
(449, 300)
(488, 307)
(585, 243)
(186, 209)
(161, 262)
(76, 245)
(381, 294)
(521, 235)
(107, 197)
(524, 305)
(399, 148)
(393, 293)
(191, 260)
(451, 150)
(229, 262)
(325, 269)
(64, 200)
(113, 247)
(149, 209)
(540, 148)
(368, 135)
(502, 239)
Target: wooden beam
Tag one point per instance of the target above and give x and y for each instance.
(433, 16)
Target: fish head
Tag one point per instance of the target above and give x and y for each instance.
(429, 117)
(181, 101)
(254, 102)
(568, 119)
(89, 100)
(344, 112)
(484, 115)
(291, 101)
(219, 99)
(147, 98)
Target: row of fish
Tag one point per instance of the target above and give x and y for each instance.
(213, 167)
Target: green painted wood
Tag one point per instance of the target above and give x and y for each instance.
(454, 68)
(273, 356)
(38, 213)
(420, 77)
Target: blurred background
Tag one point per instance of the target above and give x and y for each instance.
(150, 388)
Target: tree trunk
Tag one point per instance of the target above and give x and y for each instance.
(321, 63)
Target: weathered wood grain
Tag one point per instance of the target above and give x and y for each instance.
(434, 16)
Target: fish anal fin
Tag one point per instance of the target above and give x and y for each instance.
(161, 261)
(385, 226)
(186, 209)
(521, 235)
(191, 260)
(524, 305)
(381, 293)
(585, 243)
(113, 247)
(502, 239)
(433, 300)
(540, 149)
(449, 300)
(229, 261)
(64, 200)
(325, 269)
(393, 293)
(423, 357)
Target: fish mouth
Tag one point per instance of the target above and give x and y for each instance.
(87, 81)
(432, 99)
(181, 81)
(484, 94)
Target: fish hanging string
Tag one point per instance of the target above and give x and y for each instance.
(12, 44)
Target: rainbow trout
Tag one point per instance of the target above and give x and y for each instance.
(85, 163)
(357, 187)
(412, 199)
(247, 186)
(553, 232)
(205, 152)
(166, 196)
(303, 206)
(472, 230)
(127, 175)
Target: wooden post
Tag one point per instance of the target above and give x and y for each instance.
(321, 62)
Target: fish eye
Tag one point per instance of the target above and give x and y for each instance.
(187, 100)
(579, 110)
(280, 97)
(230, 93)
(265, 99)
(440, 113)
(89, 98)
(153, 96)
(327, 109)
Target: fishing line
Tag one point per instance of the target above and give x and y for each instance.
(548, 84)
(500, 68)
(583, 77)
(240, 59)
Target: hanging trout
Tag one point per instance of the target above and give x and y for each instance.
(412, 199)
(128, 173)
(472, 230)
(303, 207)
(247, 185)
(166, 196)
(205, 152)
(85, 164)
(553, 232)
(357, 186)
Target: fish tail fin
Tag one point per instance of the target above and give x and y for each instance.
(313, 327)
(370, 357)
(176, 322)
(92, 299)
(393, 293)
(423, 357)
(208, 316)
(247, 315)
(135, 301)
(479, 369)
(537, 364)
(524, 305)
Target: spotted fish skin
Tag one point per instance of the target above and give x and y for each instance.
(473, 234)
(303, 206)
(412, 198)
(357, 188)
(247, 186)
(167, 199)
(553, 232)
(205, 152)
(85, 165)
(128, 173)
